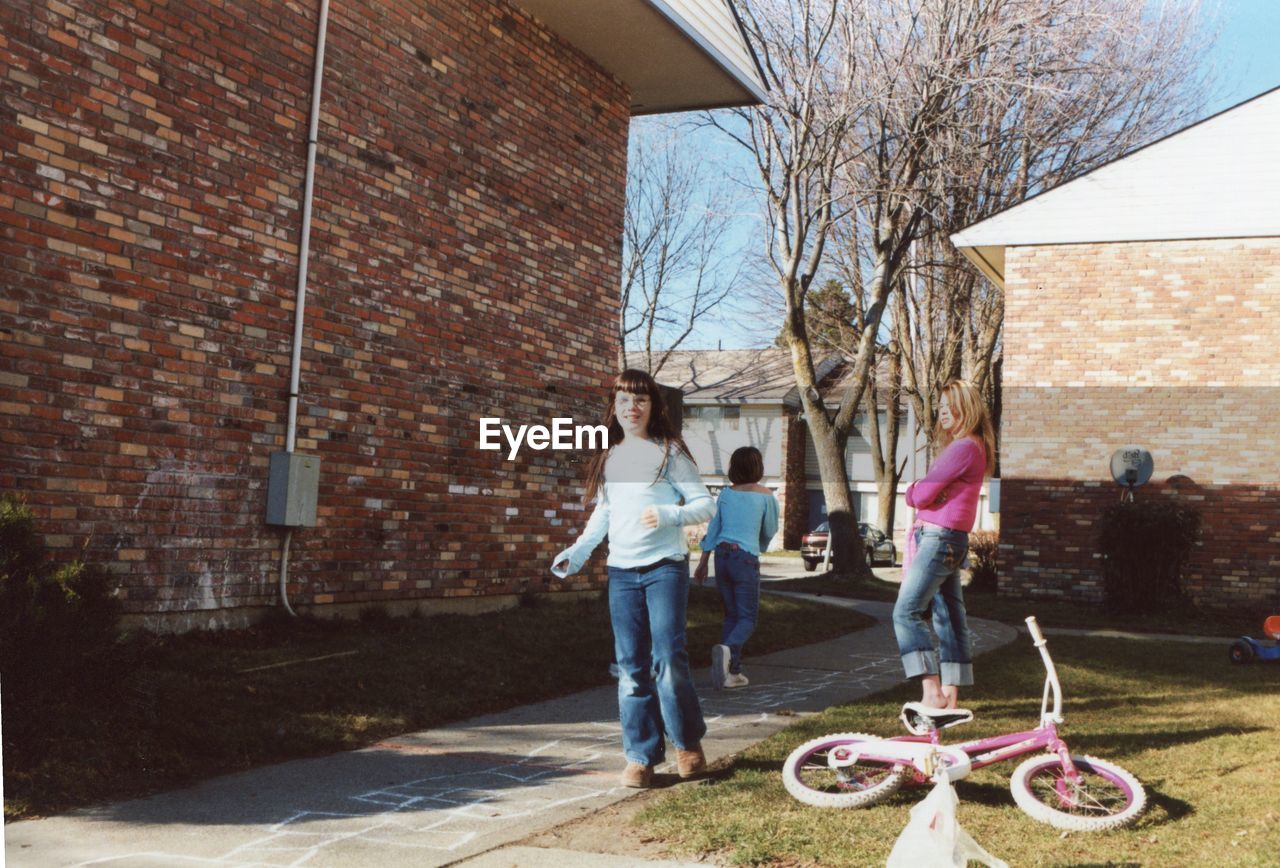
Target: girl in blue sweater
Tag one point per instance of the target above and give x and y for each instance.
(746, 520)
(646, 488)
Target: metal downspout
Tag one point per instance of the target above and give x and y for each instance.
(304, 249)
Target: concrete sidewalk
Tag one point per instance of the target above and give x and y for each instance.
(461, 793)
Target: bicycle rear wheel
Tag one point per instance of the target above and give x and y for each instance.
(808, 776)
(1104, 797)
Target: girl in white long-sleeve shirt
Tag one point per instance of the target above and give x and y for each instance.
(638, 486)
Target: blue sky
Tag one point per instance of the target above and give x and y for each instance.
(1246, 60)
(1246, 55)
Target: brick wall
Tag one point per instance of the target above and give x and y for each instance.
(464, 255)
(1170, 346)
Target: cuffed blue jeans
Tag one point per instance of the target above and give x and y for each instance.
(934, 574)
(738, 581)
(656, 699)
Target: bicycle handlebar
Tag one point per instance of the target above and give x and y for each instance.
(1052, 689)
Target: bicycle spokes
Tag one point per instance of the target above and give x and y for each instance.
(1087, 795)
(829, 772)
(1079, 796)
(817, 773)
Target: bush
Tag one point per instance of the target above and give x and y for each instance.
(57, 624)
(375, 615)
(983, 573)
(1144, 546)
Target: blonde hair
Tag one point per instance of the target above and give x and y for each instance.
(972, 417)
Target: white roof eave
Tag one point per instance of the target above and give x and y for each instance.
(1218, 178)
(675, 55)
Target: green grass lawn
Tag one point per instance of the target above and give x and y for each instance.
(1202, 735)
(1050, 613)
(828, 584)
(190, 709)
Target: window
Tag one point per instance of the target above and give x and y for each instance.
(713, 417)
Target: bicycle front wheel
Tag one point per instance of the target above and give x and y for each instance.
(1104, 796)
(809, 777)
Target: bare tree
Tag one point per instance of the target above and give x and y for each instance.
(796, 142)
(913, 65)
(677, 263)
(892, 123)
(859, 92)
(1074, 84)
(885, 382)
(929, 329)
(884, 377)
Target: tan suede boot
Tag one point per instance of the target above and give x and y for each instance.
(691, 763)
(637, 776)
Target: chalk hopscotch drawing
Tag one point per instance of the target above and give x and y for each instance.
(436, 813)
(442, 814)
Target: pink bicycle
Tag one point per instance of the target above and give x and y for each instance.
(1080, 793)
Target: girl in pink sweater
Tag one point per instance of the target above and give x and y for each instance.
(946, 503)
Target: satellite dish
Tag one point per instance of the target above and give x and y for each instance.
(1131, 466)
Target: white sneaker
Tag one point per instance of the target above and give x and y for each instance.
(735, 679)
(719, 665)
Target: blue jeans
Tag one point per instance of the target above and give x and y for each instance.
(738, 580)
(934, 575)
(656, 698)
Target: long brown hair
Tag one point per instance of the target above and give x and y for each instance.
(970, 410)
(660, 428)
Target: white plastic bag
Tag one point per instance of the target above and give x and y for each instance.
(933, 837)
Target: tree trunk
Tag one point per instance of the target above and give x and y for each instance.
(846, 543)
(884, 449)
(829, 444)
(888, 505)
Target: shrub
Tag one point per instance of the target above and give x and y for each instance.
(983, 573)
(375, 615)
(1144, 546)
(57, 623)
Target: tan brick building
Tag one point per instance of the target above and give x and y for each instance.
(1143, 307)
(464, 256)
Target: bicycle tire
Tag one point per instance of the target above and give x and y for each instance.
(810, 780)
(1105, 797)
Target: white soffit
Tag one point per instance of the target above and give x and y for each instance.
(675, 55)
(1218, 178)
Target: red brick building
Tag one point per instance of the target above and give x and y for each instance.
(1143, 307)
(464, 253)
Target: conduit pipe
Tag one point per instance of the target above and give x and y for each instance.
(304, 248)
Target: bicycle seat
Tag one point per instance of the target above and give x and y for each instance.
(1271, 626)
(921, 719)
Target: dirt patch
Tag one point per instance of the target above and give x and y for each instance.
(612, 829)
(609, 830)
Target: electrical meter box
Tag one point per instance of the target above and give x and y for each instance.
(293, 487)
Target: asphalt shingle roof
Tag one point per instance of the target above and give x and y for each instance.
(754, 376)
(760, 376)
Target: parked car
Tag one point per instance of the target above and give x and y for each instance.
(813, 544)
(879, 547)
